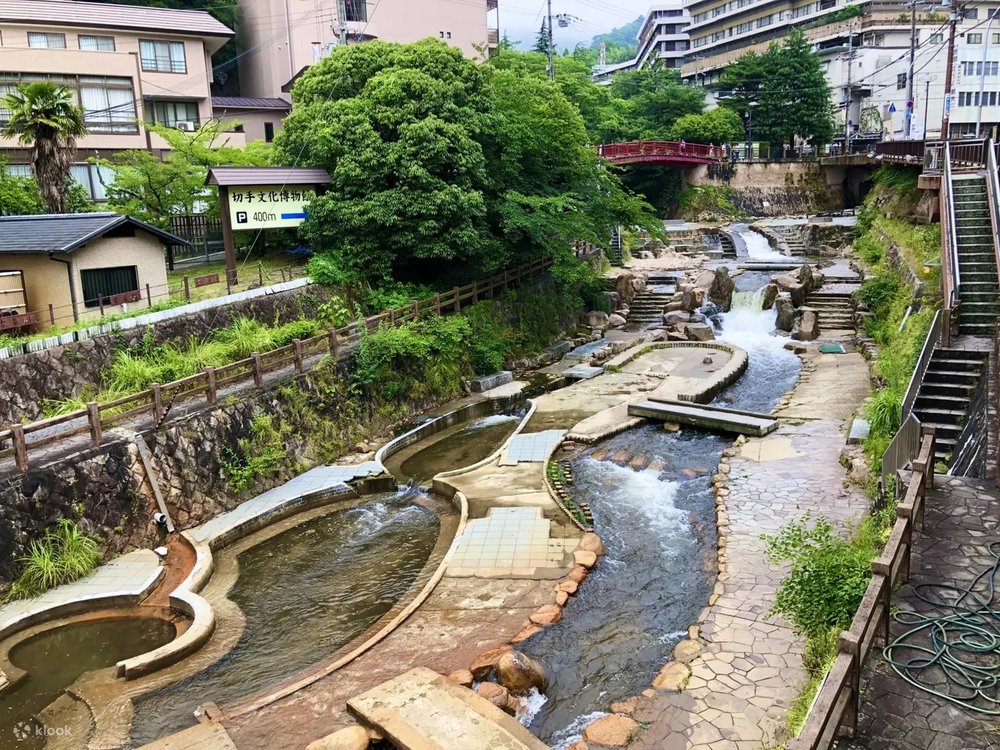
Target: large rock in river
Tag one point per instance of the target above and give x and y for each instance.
(769, 296)
(807, 326)
(597, 319)
(721, 291)
(519, 673)
(784, 320)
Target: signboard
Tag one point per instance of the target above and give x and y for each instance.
(212, 278)
(268, 206)
(124, 298)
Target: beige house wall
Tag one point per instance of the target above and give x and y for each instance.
(45, 283)
(253, 122)
(144, 251)
(293, 34)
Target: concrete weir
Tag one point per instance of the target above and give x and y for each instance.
(708, 417)
(421, 709)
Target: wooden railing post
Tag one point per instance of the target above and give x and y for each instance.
(437, 303)
(149, 296)
(52, 314)
(416, 310)
(879, 570)
(475, 292)
(458, 300)
(258, 370)
(297, 343)
(187, 289)
(849, 644)
(331, 334)
(94, 417)
(20, 447)
(210, 392)
(157, 392)
(928, 431)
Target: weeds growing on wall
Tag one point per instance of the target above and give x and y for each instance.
(63, 555)
(708, 202)
(260, 455)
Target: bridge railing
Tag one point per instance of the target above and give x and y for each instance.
(678, 149)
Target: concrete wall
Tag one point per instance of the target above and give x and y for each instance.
(144, 251)
(775, 189)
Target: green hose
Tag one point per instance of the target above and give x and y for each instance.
(959, 641)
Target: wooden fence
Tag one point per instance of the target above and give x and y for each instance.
(834, 712)
(96, 418)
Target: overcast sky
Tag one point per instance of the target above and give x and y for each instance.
(521, 18)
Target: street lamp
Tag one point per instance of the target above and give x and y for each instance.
(749, 115)
(982, 72)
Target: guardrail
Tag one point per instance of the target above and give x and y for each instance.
(834, 712)
(902, 152)
(951, 280)
(651, 150)
(157, 399)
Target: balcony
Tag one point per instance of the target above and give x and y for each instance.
(492, 37)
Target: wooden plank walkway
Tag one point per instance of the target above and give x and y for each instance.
(708, 417)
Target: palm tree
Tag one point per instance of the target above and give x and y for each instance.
(43, 114)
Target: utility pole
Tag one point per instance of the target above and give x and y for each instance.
(908, 125)
(342, 13)
(849, 95)
(956, 13)
(552, 61)
(927, 101)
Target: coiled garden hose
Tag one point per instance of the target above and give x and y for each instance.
(958, 641)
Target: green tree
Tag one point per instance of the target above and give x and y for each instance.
(443, 168)
(720, 125)
(602, 113)
(784, 89)
(654, 99)
(18, 195)
(154, 189)
(43, 114)
(542, 40)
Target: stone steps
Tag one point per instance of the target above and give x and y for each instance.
(944, 396)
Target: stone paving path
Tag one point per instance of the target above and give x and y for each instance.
(750, 668)
(133, 575)
(962, 517)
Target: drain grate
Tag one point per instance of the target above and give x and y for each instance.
(832, 349)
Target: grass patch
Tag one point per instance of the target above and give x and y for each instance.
(249, 273)
(260, 455)
(708, 202)
(828, 576)
(64, 554)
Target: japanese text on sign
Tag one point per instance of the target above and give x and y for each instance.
(268, 207)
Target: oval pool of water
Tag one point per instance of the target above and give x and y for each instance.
(453, 448)
(55, 658)
(305, 593)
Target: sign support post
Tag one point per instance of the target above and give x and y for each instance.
(227, 235)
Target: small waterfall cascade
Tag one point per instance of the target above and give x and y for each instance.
(758, 249)
(748, 301)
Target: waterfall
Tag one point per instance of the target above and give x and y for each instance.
(758, 248)
(748, 301)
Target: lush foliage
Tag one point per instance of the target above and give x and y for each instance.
(784, 90)
(18, 195)
(653, 99)
(154, 189)
(260, 455)
(441, 167)
(44, 116)
(708, 202)
(718, 126)
(63, 555)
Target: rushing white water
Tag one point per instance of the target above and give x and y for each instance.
(758, 248)
(531, 704)
(574, 732)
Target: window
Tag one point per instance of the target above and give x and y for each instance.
(974, 38)
(744, 3)
(937, 38)
(971, 14)
(97, 43)
(173, 114)
(108, 104)
(699, 17)
(268, 132)
(901, 81)
(765, 21)
(718, 11)
(99, 284)
(994, 38)
(50, 41)
(743, 28)
(162, 57)
(356, 11)
(92, 178)
(802, 10)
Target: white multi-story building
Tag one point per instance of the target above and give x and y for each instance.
(865, 49)
(662, 39)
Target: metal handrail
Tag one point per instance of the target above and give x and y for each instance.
(933, 337)
(901, 452)
(951, 276)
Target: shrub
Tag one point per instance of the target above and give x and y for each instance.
(879, 291)
(827, 578)
(63, 555)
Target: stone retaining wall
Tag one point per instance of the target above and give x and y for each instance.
(59, 372)
(775, 189)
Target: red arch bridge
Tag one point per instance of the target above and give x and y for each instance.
(661, 152)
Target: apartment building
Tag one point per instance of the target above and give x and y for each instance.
(664, 36)
(284, 37)
(124, 65)
(864, 48)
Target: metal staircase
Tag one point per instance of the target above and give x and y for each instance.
(976, 258)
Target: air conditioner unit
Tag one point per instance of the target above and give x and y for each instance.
(186, 125)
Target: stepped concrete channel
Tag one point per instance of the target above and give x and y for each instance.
(516, 543)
